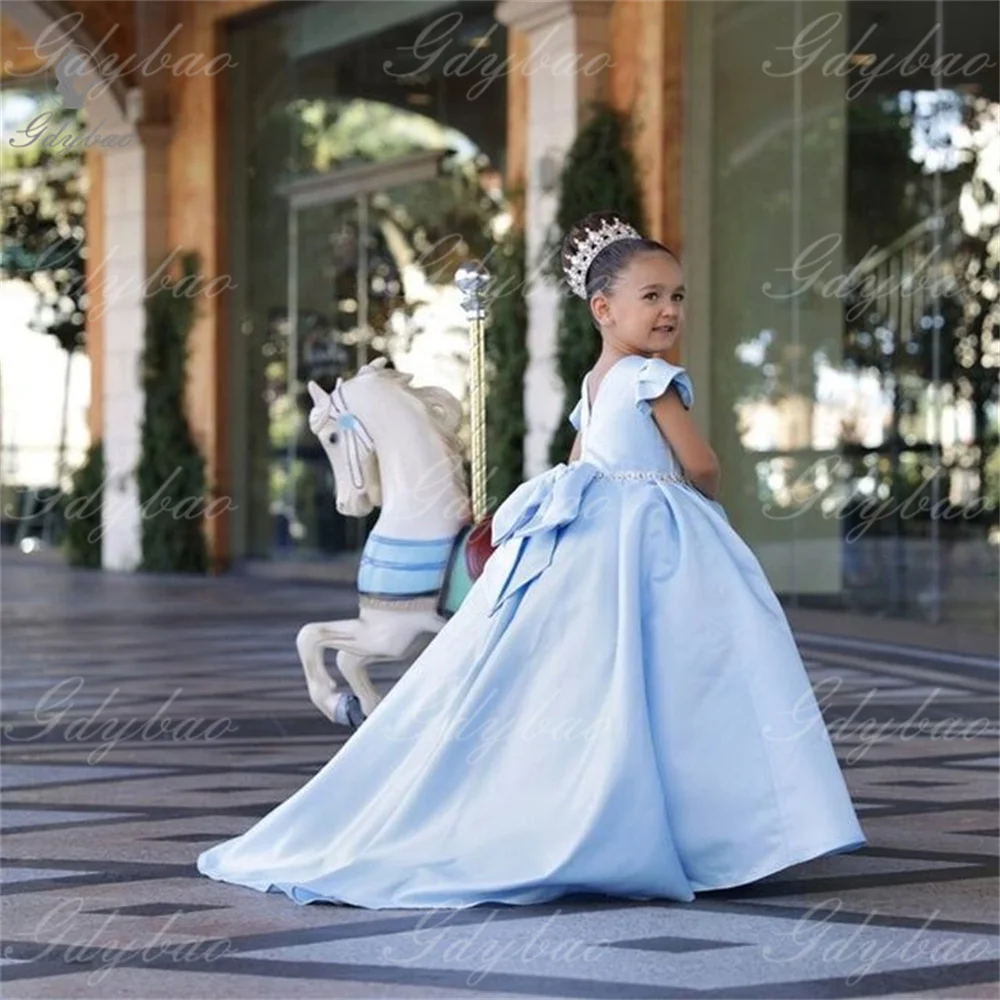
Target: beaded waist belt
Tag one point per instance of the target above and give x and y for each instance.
(667, 477)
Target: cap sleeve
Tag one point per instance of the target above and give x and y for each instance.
(575, 414)
(655, 376)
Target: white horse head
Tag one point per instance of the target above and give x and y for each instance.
(384, 438)
(350, 449)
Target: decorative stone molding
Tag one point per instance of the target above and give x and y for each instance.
(529, 15)
(46, 25)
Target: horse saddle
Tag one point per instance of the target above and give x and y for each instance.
(469, 553)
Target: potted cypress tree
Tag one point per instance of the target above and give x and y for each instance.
(171, 471)
(506, 361)
(82, 511)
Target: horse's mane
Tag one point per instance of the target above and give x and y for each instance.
(444, 411)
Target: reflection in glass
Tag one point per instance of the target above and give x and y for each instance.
(855, 247)
(363, 271)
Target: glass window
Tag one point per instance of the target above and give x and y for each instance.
(852, 248)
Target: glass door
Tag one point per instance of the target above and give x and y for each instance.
(372, 252)
(321, 338)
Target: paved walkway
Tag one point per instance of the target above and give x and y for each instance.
(105, 811)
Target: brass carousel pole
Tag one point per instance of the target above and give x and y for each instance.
(472, 280)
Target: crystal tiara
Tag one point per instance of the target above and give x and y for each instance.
(589, 247)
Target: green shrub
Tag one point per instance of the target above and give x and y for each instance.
(506, 362)
(599, 174)
(82, 511)
(171, 474)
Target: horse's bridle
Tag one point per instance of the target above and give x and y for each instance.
(357, 440)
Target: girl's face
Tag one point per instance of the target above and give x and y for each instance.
(645, 309)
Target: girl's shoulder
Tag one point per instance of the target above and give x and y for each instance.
(653, 376)
(640, 379)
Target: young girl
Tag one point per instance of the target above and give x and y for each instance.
(617, 707)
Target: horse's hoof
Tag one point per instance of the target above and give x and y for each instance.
(350, 709)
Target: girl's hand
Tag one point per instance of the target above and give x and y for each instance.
(699, 461)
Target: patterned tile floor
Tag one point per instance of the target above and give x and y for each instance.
(146, 717)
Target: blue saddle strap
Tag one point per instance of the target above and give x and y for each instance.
(403, 567)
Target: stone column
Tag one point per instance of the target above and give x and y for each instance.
(135, 237)
(115, 269)
(567, 68)
(122, 274)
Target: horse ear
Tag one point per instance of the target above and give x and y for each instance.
(319, 397)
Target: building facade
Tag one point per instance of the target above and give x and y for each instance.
(826, 170)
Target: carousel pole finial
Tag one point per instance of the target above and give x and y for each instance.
(472, 279)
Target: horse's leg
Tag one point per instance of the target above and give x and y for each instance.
(355, 671)
(310, 643)
(377, 637)
(391, 638)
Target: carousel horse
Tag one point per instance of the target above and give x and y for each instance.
(395, 446)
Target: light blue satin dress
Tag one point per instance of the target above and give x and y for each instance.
(617, 707)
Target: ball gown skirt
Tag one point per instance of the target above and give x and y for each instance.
(617, 707)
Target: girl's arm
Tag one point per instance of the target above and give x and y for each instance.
(575, 451)
(700, 463)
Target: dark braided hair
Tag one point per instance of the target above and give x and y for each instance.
(607, 266)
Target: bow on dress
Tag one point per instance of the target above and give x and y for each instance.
(526, 525)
